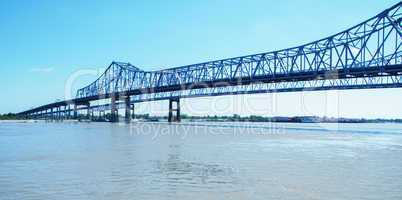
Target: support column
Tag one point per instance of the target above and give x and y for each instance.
(62, 113)
(65, 112)
(58, 113)
(113, 112)
(174, 112)
(100, 115)
(88, 111)
(132, 112)
(170, 116)
(75, 111)
(127, 115)
(69, 112)
(178, 111)
(92, 115)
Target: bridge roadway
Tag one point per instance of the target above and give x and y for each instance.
(368, 55)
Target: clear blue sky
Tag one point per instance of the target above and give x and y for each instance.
(44, 42)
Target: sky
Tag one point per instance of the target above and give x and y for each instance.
(46, 46)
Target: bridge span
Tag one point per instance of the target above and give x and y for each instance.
(367, 55)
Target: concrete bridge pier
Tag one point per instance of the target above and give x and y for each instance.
(92, 114)
(45, 114)
(88, 115)
(51, 114)
(55, 114)
(132, 111)
(68, 111)
(64, 113)
(58, 113)
(75, 114)
(174, 111)
(61, 113)
(114, 115)
(102, 115)
(127, 116)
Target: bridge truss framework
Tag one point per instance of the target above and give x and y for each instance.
(368, 55)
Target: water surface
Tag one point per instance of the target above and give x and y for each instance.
(200, 161)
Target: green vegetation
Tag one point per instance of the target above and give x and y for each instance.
(297, 119)
(233, 118)
(10, 116)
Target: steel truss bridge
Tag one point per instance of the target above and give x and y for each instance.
(368, 55)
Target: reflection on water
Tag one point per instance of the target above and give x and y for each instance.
(200, 161)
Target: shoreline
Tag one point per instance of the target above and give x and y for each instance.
(199, 121)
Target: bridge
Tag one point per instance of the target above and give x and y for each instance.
(367, 55)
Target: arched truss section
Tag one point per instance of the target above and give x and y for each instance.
(369, 49)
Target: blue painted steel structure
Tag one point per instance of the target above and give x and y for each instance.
(368, 55)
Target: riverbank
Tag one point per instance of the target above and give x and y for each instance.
(187, 120)
(30, 121)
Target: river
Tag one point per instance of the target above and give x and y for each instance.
(200, 160)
